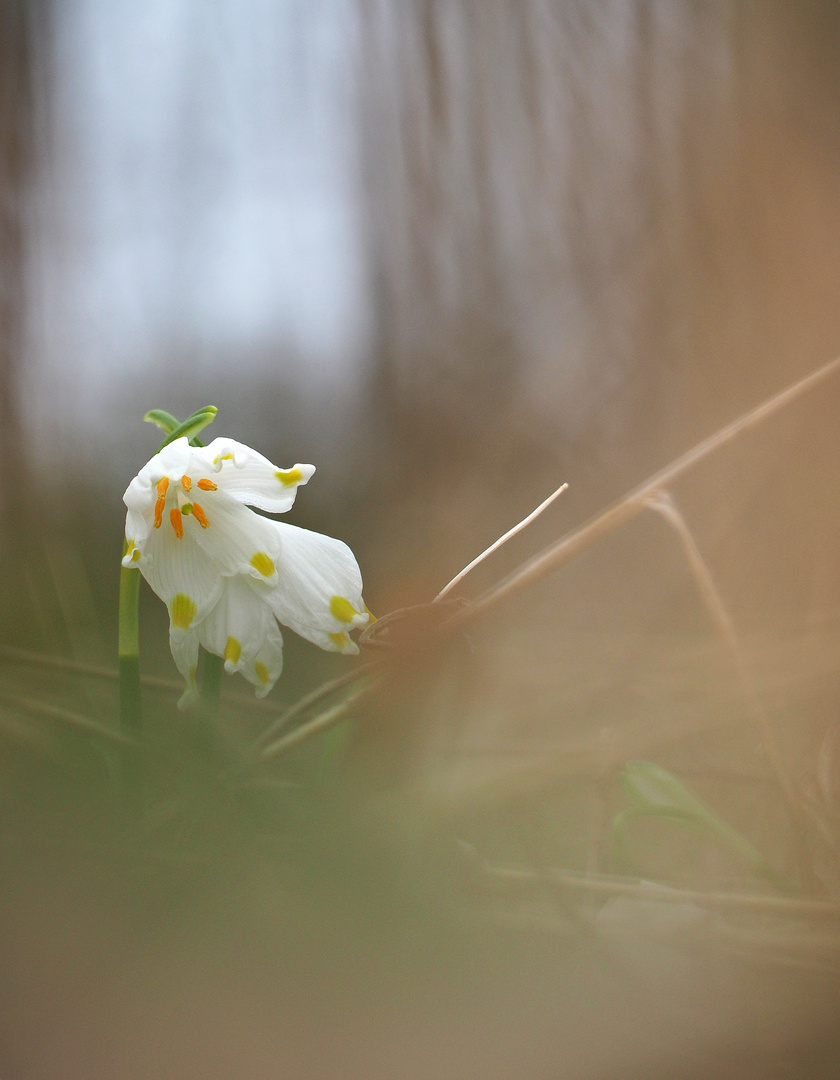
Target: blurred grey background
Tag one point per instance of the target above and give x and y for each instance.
(530, 222)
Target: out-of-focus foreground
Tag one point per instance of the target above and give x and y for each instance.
(453, 252)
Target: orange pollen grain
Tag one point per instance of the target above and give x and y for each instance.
(162, 486)
(200, 516)
(177, 523)
(186, 483)
(159, 505)
(207, 485)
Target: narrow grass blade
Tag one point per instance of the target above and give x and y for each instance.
(655, 792)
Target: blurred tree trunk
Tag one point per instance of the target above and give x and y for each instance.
(18, 19)
(599, 231)
(538, 176)
(531, 167)
(21, 548)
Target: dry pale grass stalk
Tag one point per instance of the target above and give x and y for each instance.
(305, 703)
(662, 503)
(318, 724)
(498, 543)
(649, 494)
(632, 504)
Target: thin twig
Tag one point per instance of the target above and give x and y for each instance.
(310, 699)
(55, 712)
(95, 671)
(498, 543)
(631, 505)
(662, 503)
(78, 667)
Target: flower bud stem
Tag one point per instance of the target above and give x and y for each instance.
(131, 717)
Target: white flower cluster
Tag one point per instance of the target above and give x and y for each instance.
(227, 574)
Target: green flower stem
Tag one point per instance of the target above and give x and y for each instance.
(129, 653)
(131, 717)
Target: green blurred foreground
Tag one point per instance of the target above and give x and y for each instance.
(594, 833)
(389, 900)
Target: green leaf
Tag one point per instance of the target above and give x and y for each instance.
(650, 787)
(164, 420)
(656, 793)
(192, 425)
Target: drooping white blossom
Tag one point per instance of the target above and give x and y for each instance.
(228, 574)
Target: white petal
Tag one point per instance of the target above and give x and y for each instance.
(237, 540)
(136, 533)
(184, 646)
(182, 575)
(140, 493)
(237, 626)
(264, 670)
(252, 479)
(221, 452)
(173, 461)
(319, 585)
(137, 525)
(331, 642)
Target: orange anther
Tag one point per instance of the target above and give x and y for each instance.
(200, 516)
(159, 505)
(207, 485)
(186, 483)
(177, 523)
(162, 485)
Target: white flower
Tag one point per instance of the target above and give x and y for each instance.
(227, 574)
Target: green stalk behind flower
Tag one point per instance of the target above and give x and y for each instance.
(131, 715)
